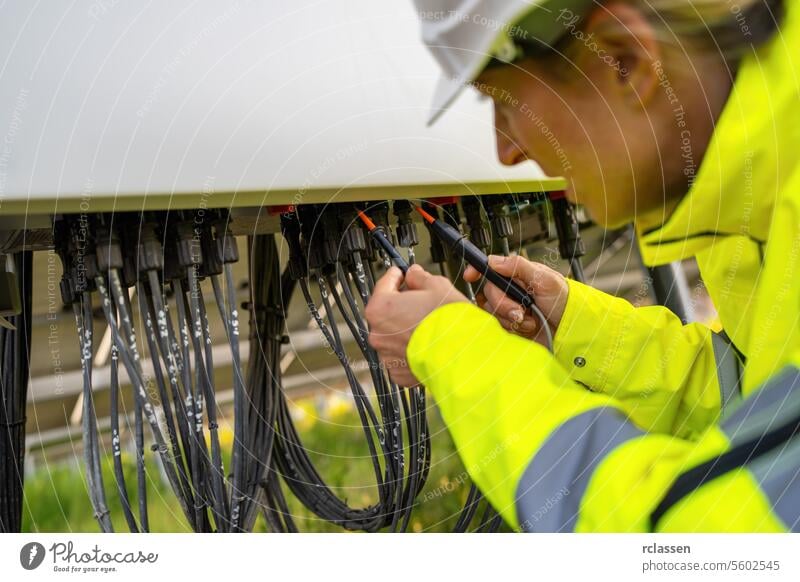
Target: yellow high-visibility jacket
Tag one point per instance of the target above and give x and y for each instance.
(634, 425)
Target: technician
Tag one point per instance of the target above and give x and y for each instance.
(684, 118)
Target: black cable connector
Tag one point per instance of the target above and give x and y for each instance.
(382, 239)
(407, 235)
(438, 254)
(570, 245)
(479, 232)
(290, 228)
(500, 220)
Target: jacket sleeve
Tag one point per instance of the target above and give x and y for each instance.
(549, 454)
(664, 373)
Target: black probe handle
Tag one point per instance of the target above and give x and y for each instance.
(478, 259)
(390, 250)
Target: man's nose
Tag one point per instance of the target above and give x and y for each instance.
(508, 152)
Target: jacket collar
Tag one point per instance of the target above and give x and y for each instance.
(750, 157)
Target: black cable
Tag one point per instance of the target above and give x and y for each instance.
(576, 269)
(293, 463)
(425, 436)
(116, 448)
(267, 324)
(141, 469)
(198, 451)
(326, 504)
(167, 347)
(410, 490)
(358, 330)
(192, 332)
(494, 524)
(470, 507)
(239, 400)
(218, 472)
(370, 423)
(393, 424)
(261, 385)
(276, 510)
(130, 358)
(570, 245)
(15, 350)
(406, 487)
(419, 436)
(83, 269)
(147, 312)
(186, 262)
(91, 451)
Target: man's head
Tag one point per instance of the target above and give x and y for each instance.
(619, 96)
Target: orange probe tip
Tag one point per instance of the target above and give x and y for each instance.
(367, 221)
(425, 215)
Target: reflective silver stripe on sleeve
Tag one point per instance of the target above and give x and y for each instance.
(778, 475)
(550, 490)
(777, 472)
(769, 407)
(729, 371)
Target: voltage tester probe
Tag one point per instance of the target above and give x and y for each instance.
(462, 247)
(380, 237)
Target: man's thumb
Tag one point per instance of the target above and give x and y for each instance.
(390, 282)
(417, 277)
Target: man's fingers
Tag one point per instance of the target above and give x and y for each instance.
(516, 267)
(417, 277)
(501, 304)
(480, 300)
(390, 282)
(399, 372)
(527, 327)
(471, 274)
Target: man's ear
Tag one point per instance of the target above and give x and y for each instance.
(621, 46)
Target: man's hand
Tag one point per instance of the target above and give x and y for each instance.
(393, 315)
(548, 287)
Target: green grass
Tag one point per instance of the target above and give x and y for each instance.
(57, 500)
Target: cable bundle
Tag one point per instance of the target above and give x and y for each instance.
(166, 258)
(178, 401)
(398, 423)
(14, 365)
(269, 299)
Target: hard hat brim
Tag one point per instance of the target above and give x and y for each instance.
(532, 19)
(448, 89)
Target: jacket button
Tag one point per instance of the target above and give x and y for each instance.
(579, 361)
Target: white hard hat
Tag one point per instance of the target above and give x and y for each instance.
(464, 35)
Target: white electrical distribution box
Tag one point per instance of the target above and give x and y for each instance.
(120, 105)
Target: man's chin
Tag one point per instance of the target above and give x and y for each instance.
(605, 220)
(615, 224)
(600, 216)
